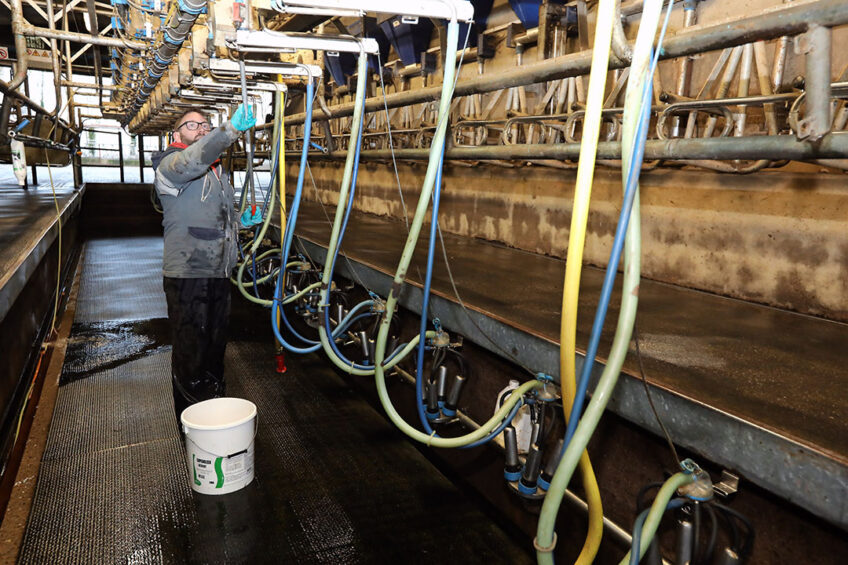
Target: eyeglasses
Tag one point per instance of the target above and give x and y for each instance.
(192, 126)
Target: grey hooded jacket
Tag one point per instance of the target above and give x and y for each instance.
(198, 203)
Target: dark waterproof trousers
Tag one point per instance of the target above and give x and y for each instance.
(199, 313)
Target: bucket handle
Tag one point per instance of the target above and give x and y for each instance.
(253, 439)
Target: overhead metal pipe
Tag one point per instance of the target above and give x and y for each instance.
(789, 19)
(817, 83)
(38, 108)
(775, 147)
(92, 86)
(82, 37)
(17, 13)
(54, 60)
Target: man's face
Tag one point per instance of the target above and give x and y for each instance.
(191, 127)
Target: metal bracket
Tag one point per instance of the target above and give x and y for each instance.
(275, 42)
(816, 45)
(286, 69)
(728, 484)
(442, 9)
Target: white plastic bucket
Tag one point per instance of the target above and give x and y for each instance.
(219, 437)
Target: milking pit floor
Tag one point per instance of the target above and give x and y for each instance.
(335, 483)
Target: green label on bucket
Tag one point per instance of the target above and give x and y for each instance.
(194, 470)
(219, 472)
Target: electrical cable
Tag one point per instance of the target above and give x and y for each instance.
(709, 549)
(391, 142)
(748, 544)
(648, 394)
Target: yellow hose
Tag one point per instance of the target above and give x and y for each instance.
(574, 262)
(281, 176)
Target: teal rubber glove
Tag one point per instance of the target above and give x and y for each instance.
(249, 219)
(243, 119)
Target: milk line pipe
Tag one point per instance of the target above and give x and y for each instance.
(391, 302)
(575, 452)
(343, 208)
(329, 345)
(434, 225)
(788, 19)
(287, 227)
(778, 147)
(436, 151)
(329, 268)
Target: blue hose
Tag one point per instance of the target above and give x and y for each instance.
(425, 302)
(335, 257)
(287, 238)
(611, 272)
(618, 244)
(507, 421)
(290, 236)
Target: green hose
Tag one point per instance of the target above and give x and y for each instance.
(403, 266)
(652, 522)
(629, 294)
(253, 248)
(258, 240)
(356, 125)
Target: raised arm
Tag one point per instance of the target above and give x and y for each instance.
(193, 162)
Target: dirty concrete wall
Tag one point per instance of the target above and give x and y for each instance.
(777, 238)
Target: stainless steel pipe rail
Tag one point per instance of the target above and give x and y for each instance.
(775, 147)
(87, 38)
(788, 19)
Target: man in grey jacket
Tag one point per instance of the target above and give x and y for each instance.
(201, 233)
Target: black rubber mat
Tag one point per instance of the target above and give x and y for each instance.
(334, 481)
(122, 281)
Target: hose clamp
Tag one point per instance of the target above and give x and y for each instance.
(548, 549)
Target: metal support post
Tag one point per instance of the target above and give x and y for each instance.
(140, 158)
(816, 44)
(121, 155)
(76, 161)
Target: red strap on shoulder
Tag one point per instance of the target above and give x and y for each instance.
(179, 145)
